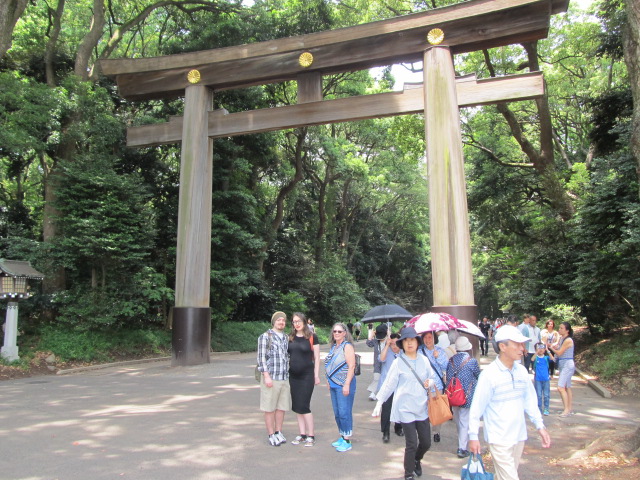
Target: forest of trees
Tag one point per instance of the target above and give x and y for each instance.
(330, 219)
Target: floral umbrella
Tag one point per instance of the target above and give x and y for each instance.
(435, 322)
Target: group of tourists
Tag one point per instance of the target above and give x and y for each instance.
(547, 349)
(406, 366)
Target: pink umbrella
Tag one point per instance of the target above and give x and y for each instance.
(434, 322)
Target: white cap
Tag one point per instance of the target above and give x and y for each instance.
(463, 344)
(509, 332)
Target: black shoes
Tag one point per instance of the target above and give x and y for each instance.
(409, 477)
(436, 437)
(385, 438)
(462, 453)
(418, 469)
(400, 432)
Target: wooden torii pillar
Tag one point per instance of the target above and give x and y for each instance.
(469, 26)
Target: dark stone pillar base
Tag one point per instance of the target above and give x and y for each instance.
(191, 337)
(464, 312)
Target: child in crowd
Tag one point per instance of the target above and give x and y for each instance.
(541, 376)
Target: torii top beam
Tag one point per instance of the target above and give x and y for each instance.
(468, 26)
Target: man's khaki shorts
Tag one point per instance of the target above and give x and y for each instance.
(277, 397)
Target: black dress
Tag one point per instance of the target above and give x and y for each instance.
(301, 378)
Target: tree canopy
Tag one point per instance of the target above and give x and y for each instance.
(326, 219)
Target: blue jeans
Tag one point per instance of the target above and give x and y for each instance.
(543, 391)
(343, 408)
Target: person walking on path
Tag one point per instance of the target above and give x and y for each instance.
(541, 378)
(304, 364)
(503, 395)
(273, 362)
(438, 359)
(387, 356)
(340, 364)
(376, 340)
(357, 327)
(408, 379)
(529, 329)
(466, 368)
(566, 365)
(485, 328)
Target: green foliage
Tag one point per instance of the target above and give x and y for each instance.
(612, 357)
(70, 344)
(334, 295)
(240, 337)
(564, 313)
(291, 302)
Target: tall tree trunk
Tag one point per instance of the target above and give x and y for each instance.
(52, 43)
(322, 213)
(90, 40)
(298, 157)
(631, 48)
(542, 159)
(10, 12)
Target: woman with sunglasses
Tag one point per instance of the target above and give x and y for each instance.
(340, 366)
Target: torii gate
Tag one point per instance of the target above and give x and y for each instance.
(465, 27)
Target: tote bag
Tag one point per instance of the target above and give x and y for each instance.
(438, 408)
(474, 469)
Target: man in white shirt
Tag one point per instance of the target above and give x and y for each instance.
(502, 397)
(529, 329)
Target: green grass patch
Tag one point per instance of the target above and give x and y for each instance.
(103, 346)
(615, 356)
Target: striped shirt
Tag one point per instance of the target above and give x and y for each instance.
(502, 397)
(274, 358)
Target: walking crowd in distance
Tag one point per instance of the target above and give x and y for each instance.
(407, 365)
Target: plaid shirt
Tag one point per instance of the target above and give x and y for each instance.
(274, 360)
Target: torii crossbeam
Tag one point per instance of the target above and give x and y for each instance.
(468, 26)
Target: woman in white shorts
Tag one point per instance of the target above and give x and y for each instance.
(564, 357)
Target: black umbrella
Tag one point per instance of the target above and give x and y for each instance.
(386, 312)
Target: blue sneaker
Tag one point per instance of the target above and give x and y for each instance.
(546, 411)
(345, 447)
(338, 442)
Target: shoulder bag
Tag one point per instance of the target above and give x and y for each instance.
(437, 404)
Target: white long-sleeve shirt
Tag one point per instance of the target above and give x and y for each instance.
(501, 399)
(410, 397)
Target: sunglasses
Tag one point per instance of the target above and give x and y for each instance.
(338, 331)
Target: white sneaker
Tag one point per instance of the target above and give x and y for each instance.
(299, 439)
(309, 442)
(273, 441)
(372, 397)
(280, 437)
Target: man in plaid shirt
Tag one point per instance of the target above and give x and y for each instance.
(273, 362)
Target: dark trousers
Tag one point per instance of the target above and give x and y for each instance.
(417, 436)
(484, 346)
(527, 360)
(552, 366)
(385, 417)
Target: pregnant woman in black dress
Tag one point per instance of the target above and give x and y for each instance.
(304, 362)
